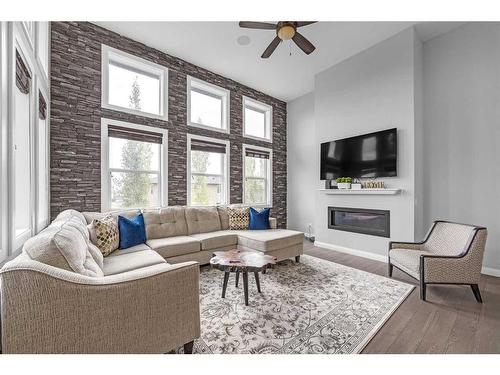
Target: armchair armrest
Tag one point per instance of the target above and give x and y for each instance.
(48, 310)
(405, 245)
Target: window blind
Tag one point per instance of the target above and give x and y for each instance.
(133, 69)
(257, 153)
(42, 107)
(134, 134)
(207, 146)
(23, 77)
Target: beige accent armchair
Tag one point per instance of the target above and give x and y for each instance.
(45, 309)
(451, 253)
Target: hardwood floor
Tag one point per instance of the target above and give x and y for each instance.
(451, 321)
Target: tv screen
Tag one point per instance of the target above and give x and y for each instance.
(368, 155)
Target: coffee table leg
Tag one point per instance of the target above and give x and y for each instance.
(257, 281)
(237, 278)
(245, 286)
(224, 286)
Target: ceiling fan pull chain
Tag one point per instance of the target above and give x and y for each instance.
(290, 47)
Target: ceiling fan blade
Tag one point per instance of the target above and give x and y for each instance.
(303, 43)
(257, 25)
(270, 49)
(304, 23)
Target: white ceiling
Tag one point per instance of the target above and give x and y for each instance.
(213, 45)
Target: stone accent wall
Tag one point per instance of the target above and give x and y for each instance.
(75, 138)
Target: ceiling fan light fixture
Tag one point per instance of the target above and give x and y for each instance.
(286, 32)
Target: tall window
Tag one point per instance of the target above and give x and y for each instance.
(257, 120)
(257, 175)
(207, 105)
(135, 166)
(133, 85)
(42, 164)
(22, 151)
(24, 124)
(207, 171)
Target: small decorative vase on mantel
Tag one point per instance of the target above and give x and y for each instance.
(344, 182)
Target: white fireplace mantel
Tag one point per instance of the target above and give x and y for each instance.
(361, 191)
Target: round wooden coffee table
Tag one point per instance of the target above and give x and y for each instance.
(241, 262)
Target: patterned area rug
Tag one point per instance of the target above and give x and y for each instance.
(315, 306)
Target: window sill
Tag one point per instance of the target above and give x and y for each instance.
(134, 112)
(208, 127)
(258, 138)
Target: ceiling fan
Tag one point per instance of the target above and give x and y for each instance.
(285, 30)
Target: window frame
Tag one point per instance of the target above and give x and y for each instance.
(109, 53)
(226, 169)
(208, 89)
(22, 44)
(269, 172)
(106, 170)
(257, 106)
(39, 225)
(4, 147)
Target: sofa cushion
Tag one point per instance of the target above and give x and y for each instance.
(132, 249)
(223, 217)
(90, 216)
(239, 217)
(267, 240)
(68, 214)
(165, 222)
(407, 260)
(131, 261)
(62, 245)
(259, 220)
(173, 246)
(216, 240)
(202, 219)
(132, 231)
(107, 234)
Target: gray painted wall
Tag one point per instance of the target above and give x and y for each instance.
(462, 130)
(371, 91)
(301, 176)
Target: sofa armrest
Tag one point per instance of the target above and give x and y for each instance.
(151, 310)
(273, 223)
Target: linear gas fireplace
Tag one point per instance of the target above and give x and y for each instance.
(360, 220)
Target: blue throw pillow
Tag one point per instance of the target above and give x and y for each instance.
(259, 220)
(132, 231)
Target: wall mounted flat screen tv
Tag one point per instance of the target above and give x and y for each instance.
(364, 156)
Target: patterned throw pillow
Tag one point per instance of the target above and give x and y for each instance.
(239, 217)
(107, 234)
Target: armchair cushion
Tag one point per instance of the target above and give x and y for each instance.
(448, 238)
(408, 260)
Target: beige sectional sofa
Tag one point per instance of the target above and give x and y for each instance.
(62, 296)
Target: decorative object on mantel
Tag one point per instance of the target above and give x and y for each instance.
(344, 182)
(373, 185)
(356, 184)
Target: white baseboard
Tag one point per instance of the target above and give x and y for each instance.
(382, 258)
(348, 250)
(490, 271)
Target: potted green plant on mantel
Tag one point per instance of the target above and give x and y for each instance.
(344, 182)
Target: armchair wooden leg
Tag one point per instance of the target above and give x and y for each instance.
(389, 271)
(477, 293)
(188, 348)
(422, 290)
